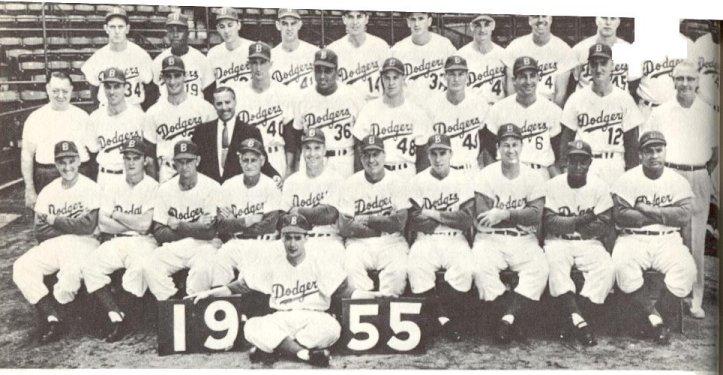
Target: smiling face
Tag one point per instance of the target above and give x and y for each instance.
(482, 30)
(509, 149)
(177, 35)
(607, 26)
(228, 29)
(174, 81)
(355, 22)
(59, 92)
(251, 163)
(439, 160)
(68, 167)
(373, 161)
(325, 77)
(117, 29)
(225, 105)
(578, 165)
(652, 157)
(419, 23)
(540, 25)
(601, 69)
(294, 244)
(525, 82)
(393, 84)
(289, 28)
(686, 81)
(114, 92)
(314, 154)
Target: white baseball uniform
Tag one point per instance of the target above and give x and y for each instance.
(191, 253)
(516, 248)
(587, 255)
(300, 295)
(166, 123)
(127, 249)
(622, 60)
(63, 254)
(664, 252)
(423, 64)
(45, 127)
(110, 132)
(359, 66)
(487, 72)
(335, 115)
(230, 66)
(656, 80)
(199, 73)
(601, 123)
(294, 69)
(386, 253)
(707, 54)
(553, 58)
(447, 247)
(134, 61)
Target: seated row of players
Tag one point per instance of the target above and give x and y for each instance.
(358, 224)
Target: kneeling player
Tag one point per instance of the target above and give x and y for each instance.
(577, 217)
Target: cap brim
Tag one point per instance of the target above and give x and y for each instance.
(117, 80)
(653, 142)
(395, 69)
(371, 147)
(324, 63)
(249, 149)
(132, 150)
(310, 139)
(177, 23)
(185, 155)
(578, 152)
(600, 55)
(293, 229)
(123, 16)
(292, 15)
(522, 69)
(507, 135)
(66, 154)
(480, 18)
(456, 67)
(259, 56)
(172, 69)
(439, 147)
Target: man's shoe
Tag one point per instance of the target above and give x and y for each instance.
(257, 355)
(451, 331)
(505, 332)
(584, 334)
(53, 332)
(319, 357)
(697, 313)
(661, 334)
(118, 330)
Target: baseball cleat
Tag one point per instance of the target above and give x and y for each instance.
(319, 357)
(505, 331)
(117, 331)
(451, 332)
(661, 334)
(257, 355)
(584, 334)
(53, 332)
(697, 313)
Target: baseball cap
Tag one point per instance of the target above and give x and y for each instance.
(294, 223)
(65, 148)
(439, 141)
(287, 12)
(261, 50)
(185, 149)
(455, 62)
(226, 13)
(116, 11)
(347, 11)
(135, 145)
(652, 137)
(600, 50)
(178, 19)
(313, 135)
(326, 57)
(393, 64)
(409, 14)
(172, 63)
(253, 145)
(579, 147)
(372, 142)
(524, 63)
(113, 75)
(483, 17)
(509, 130)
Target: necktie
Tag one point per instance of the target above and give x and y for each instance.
(224, 144)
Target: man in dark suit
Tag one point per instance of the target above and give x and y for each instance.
(219, 140)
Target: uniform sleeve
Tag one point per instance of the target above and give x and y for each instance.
(346, 203)
(361, 126)
(536, 187)
(207, 70)
(633, 117)
(287, 195)
(107, 203)
(623, 189)
(510, 54)
(412, 190)
(492, 118)
(209, 112)
(604, 200)
(149, 126)
(334, 192)
(555, 119)
(30, 130)
(482, 183)
(451, 50)
(274, 198)
(90, 134)
(211, 203)
(569, 113)
(94, 196)
(329, 276)
(149, 198)
(90, 70)
(548, 192)
(298, 110)
(145, 66)
(156, 68)
(160, 213)
(682, 187)
(568, 60)
(41, 204)
(423, 128)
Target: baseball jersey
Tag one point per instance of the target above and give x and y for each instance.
(362, 197)
(403, 128)
(303, 191)
(594, 197)
(261, 198)
(294, 69)
(510, 194)
(186, 205)
(45, 127)
(74, 202)
(656, 80)
(166, 123)
(134, 61)
(601, 121)
(461, 122)
(622, 60)
(359, 66)
(135, 200)
(112, 131)
(446, 194)
(424, 65)
(268, 111)
(707, 54)
(553, 58)
(333, 114)
(690, 133)
(633, 186)
(486, 72)
(199, 73)
(539, 123)
(230, 66)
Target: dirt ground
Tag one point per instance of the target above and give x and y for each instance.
(695, 349)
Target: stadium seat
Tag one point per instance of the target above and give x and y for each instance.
(103, 8)
(55, 41)
(145, 9)
(155, 41)
(38, 78)
(85, 94)
(15, 53)
(4, 18)
(77, 64)
(58, 65)
(16, 7)
(80, 41)
(61, 7)
(129, 8)
(100, 40)
(75, 18)
(9, 97)
(33, 95)
(32, 41)
(84, 8)
(25, 19)
(10, 42)
(95, 18)
(50, 19)
(32, 65)
(160, 20)
(137, 19)
(77, 77)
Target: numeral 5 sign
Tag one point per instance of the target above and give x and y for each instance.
(382, 325)
(209, 326)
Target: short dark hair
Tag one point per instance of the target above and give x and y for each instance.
(59, 74)
(221, 89)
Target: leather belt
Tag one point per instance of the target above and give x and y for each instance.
(463, 166)
(648, 103)
(111, 171)
(507, 232)
(648, 232)
(271, 149)
(319, 234)
(571, 237)
(604, 155)
(443, 233)
(344, 151)
(263, 237)
(45, 166)
(397, 167)
(535, 166)
(685, 167)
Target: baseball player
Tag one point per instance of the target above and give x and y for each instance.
(554, 57)
(399, 123)
(249, 211)
(121, 53)
(423, 54)
(228, 59)
(44, 128)
(184, 225)
(292, 57)
(173, 118)
(538, 119)
(197, 68)
(66, 215)
(652, 210)
(360, 54)
(690, 126)
(459, 116)
(372, 216)
(332, 109)
(606, 34)
(113, 124)
(706, 52)
(442, 212)
(577, 217)
(487, 74)
(508, 205)
(302, 285)
(605, 117)
(125, 216)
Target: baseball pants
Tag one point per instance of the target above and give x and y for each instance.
(387, 254)
(667, 254)
(495, 252)
(588, 256)
(311, 329)
(119, 252)
(609, 167)
(194, 254)
(431, 252)
(406, 171)
(277, 158)
(248, 257)
(540, 169)
(106, 179)
(64, 255)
